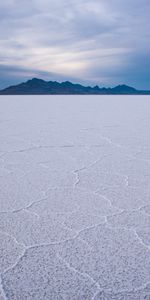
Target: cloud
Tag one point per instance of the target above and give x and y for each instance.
(97, 41)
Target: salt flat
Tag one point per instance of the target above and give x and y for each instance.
(75, 197)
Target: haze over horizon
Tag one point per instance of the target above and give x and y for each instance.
(89, 42)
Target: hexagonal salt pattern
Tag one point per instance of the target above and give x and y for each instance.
(74, 198)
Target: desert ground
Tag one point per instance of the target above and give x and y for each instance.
(74, 197)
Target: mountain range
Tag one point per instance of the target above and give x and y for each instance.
(37, 86)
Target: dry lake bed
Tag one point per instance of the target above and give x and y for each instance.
(75, 198)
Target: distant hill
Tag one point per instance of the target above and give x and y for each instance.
(37, 86)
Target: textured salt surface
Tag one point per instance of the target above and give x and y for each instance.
(75, 198)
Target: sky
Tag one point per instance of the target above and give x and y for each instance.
(93, 42)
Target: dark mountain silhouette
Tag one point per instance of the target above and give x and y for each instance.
(37, 86)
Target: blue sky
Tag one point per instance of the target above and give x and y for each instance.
(104, 42)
